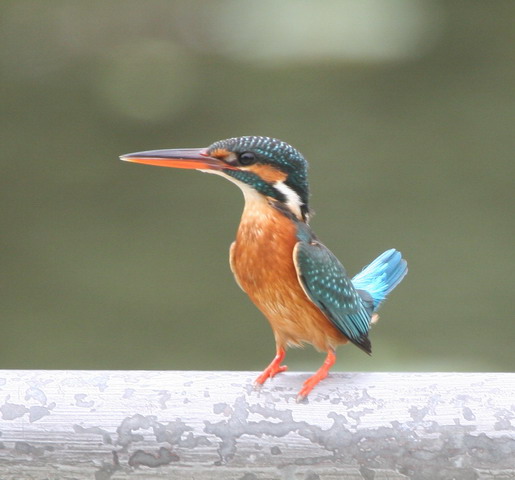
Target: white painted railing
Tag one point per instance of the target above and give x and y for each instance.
(110, 425)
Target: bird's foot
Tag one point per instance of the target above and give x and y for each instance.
(268, 373)
(310, 384)
(273, 369)
(320, 374)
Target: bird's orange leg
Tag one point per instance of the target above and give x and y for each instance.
(321, 373)
(274, 368)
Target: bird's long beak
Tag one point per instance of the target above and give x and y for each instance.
(190, 158)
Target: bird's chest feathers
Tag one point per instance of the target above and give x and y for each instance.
(262, 262)
(261, 257)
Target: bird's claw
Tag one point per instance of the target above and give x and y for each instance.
(270, 371)
(300, 398)
(308, 385)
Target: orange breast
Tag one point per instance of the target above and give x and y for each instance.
(262, 262)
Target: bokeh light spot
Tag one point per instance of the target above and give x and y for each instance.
(304, 32)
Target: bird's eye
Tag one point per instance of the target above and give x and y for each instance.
(246, 158)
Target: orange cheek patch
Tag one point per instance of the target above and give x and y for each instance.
(219, 153)
(268, 173)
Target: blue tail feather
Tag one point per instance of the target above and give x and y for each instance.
(382, 275)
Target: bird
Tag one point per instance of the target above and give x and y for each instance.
(277, 260)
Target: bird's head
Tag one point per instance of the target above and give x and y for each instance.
(258, 165)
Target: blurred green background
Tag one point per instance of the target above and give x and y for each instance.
(405, 110)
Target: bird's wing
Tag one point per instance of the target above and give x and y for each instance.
(325, 281)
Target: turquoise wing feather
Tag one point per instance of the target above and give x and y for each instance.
(327, 284)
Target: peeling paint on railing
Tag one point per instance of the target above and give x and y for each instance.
(157, 425)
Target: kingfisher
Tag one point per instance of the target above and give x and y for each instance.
(294, 279)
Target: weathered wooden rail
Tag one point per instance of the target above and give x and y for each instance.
(109, 425)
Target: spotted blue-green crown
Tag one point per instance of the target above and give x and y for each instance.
(276, 153)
